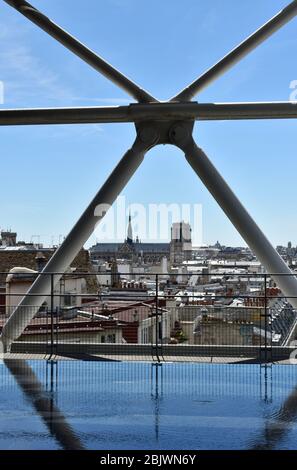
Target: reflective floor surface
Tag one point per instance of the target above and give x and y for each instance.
(113, 405)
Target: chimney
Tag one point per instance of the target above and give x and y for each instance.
(40, 261)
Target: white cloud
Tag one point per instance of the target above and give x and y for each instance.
(29, 80)
(26, 77)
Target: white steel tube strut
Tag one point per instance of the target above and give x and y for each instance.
(243, 49)
(79, 49)
(235, 211)
(83, 229)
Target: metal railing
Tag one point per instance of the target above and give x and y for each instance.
(155, 315)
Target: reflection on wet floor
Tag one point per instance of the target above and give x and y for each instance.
(78, 405)
(43, 403)
(279, 423)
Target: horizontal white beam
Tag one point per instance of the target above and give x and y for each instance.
(146, 112)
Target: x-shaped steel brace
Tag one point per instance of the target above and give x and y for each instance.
(156, 123)
(148, 135)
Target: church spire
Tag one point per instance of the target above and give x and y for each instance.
(129, 231)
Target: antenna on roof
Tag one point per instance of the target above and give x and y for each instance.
(35, 236)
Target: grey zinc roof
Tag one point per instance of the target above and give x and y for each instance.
(145, 247)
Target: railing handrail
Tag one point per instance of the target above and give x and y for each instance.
(82, 273)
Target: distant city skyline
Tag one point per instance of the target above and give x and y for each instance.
(51, 173)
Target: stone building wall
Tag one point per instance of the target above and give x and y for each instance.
(21, 258)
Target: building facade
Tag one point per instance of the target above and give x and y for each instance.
(181, 243)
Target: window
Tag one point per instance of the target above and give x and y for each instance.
(160, 329)
(69, 300)
(111, 338)
(103, 339)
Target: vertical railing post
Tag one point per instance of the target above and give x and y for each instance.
(157, 318)
(156, 313)
(265, 317)
(52, 313)
(57, 328)
(46, 336)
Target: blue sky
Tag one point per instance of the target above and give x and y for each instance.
(50, 173)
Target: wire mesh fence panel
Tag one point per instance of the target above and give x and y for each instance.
(155, 316)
